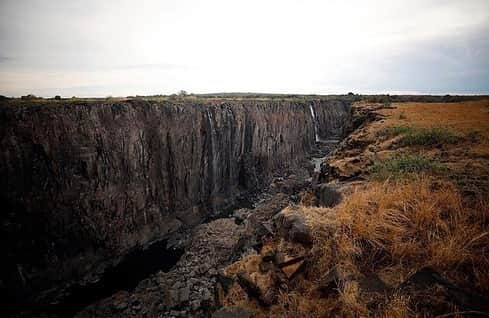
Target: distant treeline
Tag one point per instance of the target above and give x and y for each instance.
(385, 98)
(420, 98)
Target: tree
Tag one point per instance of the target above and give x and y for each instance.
(57, 97)
(28, 97)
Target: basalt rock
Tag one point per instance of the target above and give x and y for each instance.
(293, 227)
(84, 182)
(432, 291)
(327, 195)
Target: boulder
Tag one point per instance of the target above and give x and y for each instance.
(259, 286)
(327, 196)
(431, 290)
(293, 227)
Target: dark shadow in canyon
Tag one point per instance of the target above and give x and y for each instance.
(134, 267)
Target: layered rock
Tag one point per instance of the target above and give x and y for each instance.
(82, 182)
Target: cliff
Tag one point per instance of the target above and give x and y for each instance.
(82, 182)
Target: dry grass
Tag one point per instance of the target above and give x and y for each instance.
(397, 227)
(389, 229)
(461, 117)
(397, 307)
(412, 224)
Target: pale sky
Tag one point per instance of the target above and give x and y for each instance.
(121, 48)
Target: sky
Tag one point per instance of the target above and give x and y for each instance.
(119, 48)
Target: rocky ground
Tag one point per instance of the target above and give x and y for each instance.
(197, 285)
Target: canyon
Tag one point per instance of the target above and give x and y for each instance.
(86, 185)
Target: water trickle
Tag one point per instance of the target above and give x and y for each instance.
(314, 121)
(212, 151)
(211, 121)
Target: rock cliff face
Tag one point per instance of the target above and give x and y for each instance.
(82, 182)
(333, 118)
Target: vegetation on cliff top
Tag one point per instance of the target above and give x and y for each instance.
(412, 136)
(404, 164)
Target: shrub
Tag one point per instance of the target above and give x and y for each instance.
(29, 97)
(397, 130)
(403, 165)
(412, 136)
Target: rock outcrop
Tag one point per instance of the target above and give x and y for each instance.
(83, 182)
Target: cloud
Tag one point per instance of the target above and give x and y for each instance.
(155, 66)
(120, 47)
(457, 63)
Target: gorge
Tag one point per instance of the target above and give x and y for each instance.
(87, 183)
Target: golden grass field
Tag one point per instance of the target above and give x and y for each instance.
(463, 117)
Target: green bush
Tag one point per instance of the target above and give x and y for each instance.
(402, 165)
(398, 130)
(412, 136)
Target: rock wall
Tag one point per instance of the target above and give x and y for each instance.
(82, 182)
(333, 120)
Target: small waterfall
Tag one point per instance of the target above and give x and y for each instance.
(314, 121)
(212, 154)
(211, 121)
(210, 118)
